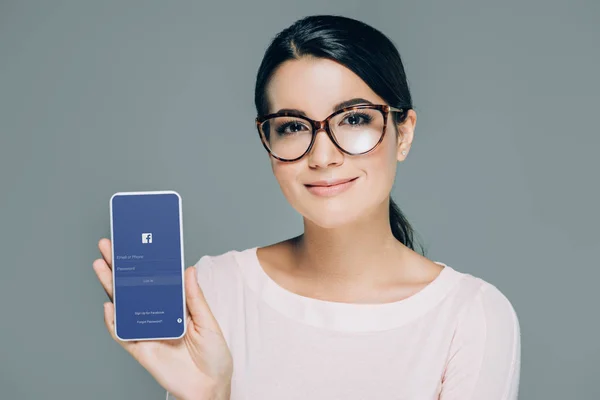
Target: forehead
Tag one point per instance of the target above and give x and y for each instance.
(315, 86)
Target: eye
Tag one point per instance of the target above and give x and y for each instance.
(357, 119)
(290, 128)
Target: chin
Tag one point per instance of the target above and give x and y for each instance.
(330, 219)
(333, 212)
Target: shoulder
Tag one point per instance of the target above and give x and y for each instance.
(211, 268)
(222, 263)
(219, 274)
(488, 299)
(484, 308)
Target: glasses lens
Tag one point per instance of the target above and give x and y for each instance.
(287, 137)
(359, 130)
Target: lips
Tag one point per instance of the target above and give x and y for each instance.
(330, 182)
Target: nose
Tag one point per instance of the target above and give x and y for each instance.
(324, 152)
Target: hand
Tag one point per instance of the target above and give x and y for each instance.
(197, 366)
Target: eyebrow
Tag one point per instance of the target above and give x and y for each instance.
(337, 107)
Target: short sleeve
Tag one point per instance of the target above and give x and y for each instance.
(485, 355)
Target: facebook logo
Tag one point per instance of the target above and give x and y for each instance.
(146, 237)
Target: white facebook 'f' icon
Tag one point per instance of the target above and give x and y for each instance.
(146, 238)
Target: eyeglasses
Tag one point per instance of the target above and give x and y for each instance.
(355, 130)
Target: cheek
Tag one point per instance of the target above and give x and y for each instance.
(380, 165)
(391, 142)
(285, 174)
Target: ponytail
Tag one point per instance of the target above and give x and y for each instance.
(401, 228)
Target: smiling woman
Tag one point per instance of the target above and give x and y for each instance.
(347, 309)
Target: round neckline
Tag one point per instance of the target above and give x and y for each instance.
(350, 317)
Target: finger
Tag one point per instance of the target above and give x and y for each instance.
(104, 275)
(109, 321)
(196, 302)
(105, 248)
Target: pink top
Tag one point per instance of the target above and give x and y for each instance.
(456, 339)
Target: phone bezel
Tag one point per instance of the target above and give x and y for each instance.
(114, 299)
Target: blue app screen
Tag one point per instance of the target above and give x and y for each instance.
(147, 264)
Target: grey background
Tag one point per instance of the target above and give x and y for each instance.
(106, 96)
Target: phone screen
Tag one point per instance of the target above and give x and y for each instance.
(148, 265)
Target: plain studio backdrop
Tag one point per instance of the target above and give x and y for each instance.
(106, 96)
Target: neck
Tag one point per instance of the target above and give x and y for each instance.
(354, 252)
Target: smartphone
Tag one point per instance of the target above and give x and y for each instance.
(148, 265)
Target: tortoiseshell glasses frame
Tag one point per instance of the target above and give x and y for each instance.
(324, 124)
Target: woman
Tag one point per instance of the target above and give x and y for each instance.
(348, 309)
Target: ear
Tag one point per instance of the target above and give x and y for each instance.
(406, 130)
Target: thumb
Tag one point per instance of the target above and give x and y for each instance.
(196, 302)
